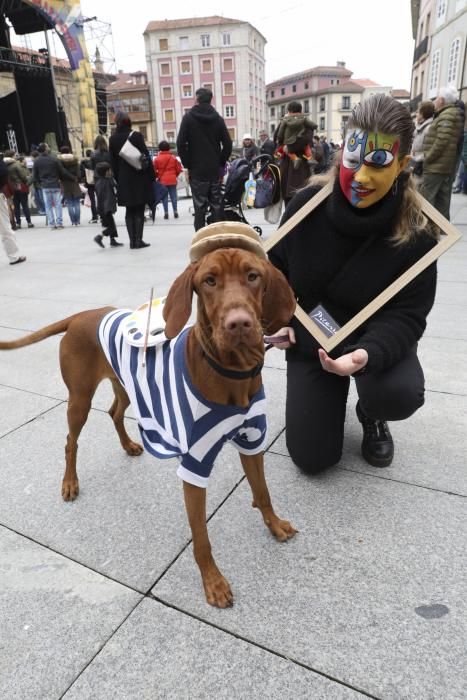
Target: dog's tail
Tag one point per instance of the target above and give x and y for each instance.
(37, 336)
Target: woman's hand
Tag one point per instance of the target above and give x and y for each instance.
(283, 339)
(345, 365)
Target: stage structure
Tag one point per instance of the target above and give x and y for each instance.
(31, 105)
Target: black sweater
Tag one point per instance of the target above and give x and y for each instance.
(314, 257)
(203, 142)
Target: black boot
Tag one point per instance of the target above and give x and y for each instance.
(377, 444)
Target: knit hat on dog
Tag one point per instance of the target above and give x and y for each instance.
(225, 234)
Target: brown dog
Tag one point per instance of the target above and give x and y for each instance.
(240, 295)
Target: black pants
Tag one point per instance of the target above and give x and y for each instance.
(316, 402)
(92, 198)
(108, 222)
(134, 219)
(207, 197)
(20, 200)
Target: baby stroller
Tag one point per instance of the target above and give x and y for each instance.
(234, 188)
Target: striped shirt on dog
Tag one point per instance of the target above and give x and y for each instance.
(173, 418)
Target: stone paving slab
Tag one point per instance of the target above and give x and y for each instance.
(129, 520)
(444, 361)
(54, 617)
(370, 592)
(430, 446)
(19, 408)
(161, 653)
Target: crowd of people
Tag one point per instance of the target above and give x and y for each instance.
(103, 179)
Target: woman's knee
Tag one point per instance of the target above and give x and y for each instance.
(312, 458)
(391, 405)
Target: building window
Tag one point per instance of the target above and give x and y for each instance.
(322, 123)
(282, 91)
(205, 40)
(337, 82)
(294, 88)
(332, 82)
(441, 8)
(322, 104)
(273, 128)
(183, 43)
(306, 106)
(453, 64)
(185, 67)
(167, 92)
(187, 91)
(346, 102)
(208, 86)
(206, 65)
(433, 82)
(170, 136)
(164, 69)
(163, 44)
(282, 110)
(273, 112)
(227, 65)
(229, 89)
(169, 115)
(229, 111)
(272, 94)
(226, 39)
(143, 130)
(306, 86)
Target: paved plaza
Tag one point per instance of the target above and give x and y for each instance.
(101, 598)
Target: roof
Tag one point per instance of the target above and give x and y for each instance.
(365, 82)
(168, 24)
(338, 71)
(348, 86)
(123, 81)
(399, 93)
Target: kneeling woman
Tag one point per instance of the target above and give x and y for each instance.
(342, 255)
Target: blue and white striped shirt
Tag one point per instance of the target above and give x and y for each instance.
(173, 418)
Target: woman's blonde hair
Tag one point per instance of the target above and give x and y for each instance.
(384, 114)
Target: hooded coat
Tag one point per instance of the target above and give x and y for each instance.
(441, 142)
(71, 188)
(203, 142)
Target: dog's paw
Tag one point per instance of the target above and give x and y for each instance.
(70, 489)
(133, 449)
(281, 529)
(218, 592)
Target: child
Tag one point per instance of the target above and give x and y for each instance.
(106, 204)
(295, 134)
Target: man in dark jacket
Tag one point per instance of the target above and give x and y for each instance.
(204, 146)
(47, 172)
(266, 145)
(441, 151)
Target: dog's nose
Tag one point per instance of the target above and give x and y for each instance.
(238, 320)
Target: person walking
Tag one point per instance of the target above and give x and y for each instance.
(37, 190)
(47, 172)
(6, 232)
(106, 204)
(441, 151)
(204, 146)
(19, 177)
(88, 177)
(423, 120)
(341, 256)
(266, 145)
(134, 187)
(70, 188)
(167, 169)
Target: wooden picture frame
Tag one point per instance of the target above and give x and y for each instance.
(450, 235)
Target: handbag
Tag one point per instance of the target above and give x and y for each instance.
(87, 200)
(131, 154)
(264, 192)
(272, 213)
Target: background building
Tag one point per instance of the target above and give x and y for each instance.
(129, 92)
(327, 93)
(226, 55)
(440, 56)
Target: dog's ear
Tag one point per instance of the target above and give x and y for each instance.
(279, 302)
(177, 307)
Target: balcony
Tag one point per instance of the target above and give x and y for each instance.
(344, 107)
(421, 49)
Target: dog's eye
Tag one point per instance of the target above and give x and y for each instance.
(211, 280)
(252, 276)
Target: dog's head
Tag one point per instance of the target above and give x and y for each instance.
(240, 293)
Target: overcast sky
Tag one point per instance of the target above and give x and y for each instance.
(373, 37)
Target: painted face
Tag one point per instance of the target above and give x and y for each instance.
(369, 166)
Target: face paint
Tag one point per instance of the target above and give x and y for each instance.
(369, 166)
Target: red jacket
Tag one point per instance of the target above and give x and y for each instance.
(167, 168)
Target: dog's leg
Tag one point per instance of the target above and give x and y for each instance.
(79, 406)
(117, 413)
(253, 466)
(216, 588)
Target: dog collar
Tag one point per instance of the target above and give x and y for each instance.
(233, 373)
